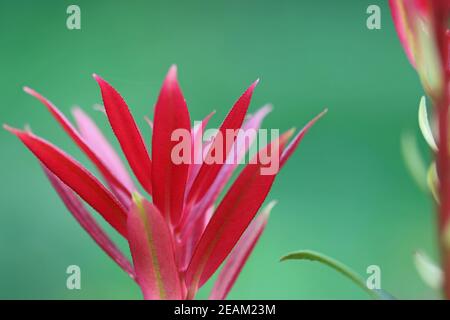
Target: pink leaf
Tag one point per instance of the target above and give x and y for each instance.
(197, 155)
(298, 138)
(169, 176)
(149, 122)
(187, 246)
(88, 223)
(77, 178)
(238, 257)
(209, 171)
(153, 252)
(226, 172)
(80, 141)
(127, 133)
(95, 138)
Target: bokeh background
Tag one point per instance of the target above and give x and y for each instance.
(346, 191)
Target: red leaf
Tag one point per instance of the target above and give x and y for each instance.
(226, 172)
(295, 142)
(238, 257)
(152, 251)
(231, 218)
(169, 177)
(127, 133)
(77, 178)
(402, 25)
(79, 140)
(197, 150)
(95, 138)
(233, 121)
(97, 141)
(88, 223)
(186, 245)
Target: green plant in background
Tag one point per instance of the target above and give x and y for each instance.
(422, 27)
(339, 267)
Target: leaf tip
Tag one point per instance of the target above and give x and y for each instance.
(286, 136)
(28, 90)
(173, 70)
(268, 208)
(11, 129)
(99, 79)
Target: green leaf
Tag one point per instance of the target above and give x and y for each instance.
(430, 273)
(424, 125)
(432, 180)
(446, 236)
(413, 160)
(428, 62)
(339, 267)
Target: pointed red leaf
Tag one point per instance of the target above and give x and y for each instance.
(295, 142)
(88, 223)
(231, 218)
(187, 245)
(77, 178)
(152, 251)
(88, 149)
(198, 149)
(97, 141)
(168, 175)
(403, 27)
(237, 154)
(240, 254)
(127, 133)
(233, 121)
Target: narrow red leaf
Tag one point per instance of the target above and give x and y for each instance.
(240, 254)
(96, 140)
(298, 138)
(403, 27)
(88, 223)
(231, 218)
(169, 175)
(233, 121)
(127, 133)
(240, 149)
(187, 245)
(197, 150)
(77, 178)
(153, 252)
(90, 151)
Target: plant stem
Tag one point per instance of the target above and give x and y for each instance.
(443, 161)
(441, 102)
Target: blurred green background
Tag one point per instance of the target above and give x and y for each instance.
(346, 191)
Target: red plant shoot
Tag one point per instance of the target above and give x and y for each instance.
(180, 238)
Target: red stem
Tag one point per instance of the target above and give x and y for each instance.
(443, 161)
(440, 12)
